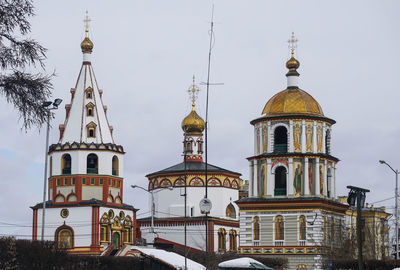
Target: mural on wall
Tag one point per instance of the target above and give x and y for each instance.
(310, 176)
(265, 139)
(279, 228)
(309, 138)
(262, 180)
(319, 139)
(321, 179)
(302, 228)
(297, 137)
(297, 180)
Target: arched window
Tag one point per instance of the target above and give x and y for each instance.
(279, 228)
(188, 146)
(280, 181)
(328, 142)
(89, 92)
(91, 130)
(280, 140)
(92, 164)
(115, 166)
(221, 240)
(232, 241)
(90, 109)
(256, 228)
(230, 211)
(302, 228)
(64, 237)
(200, 146)
(66, 164)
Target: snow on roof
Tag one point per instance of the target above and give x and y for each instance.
(243, 263)
(171, 258)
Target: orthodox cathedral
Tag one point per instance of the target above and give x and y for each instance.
(84, 210)
(291, 209)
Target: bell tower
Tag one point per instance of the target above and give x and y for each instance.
(85, 184)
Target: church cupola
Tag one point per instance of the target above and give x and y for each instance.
(193, 126)
(292, 143)
(86, 44)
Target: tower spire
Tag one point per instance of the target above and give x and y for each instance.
(292, 64)
(86, 44)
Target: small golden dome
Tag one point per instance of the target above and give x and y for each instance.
(87, 45)
(292, 64)
(292, 101)
(193, 123)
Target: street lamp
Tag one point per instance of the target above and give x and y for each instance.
(396, 216)
(152, 203)
(358, 194)
(46, 105)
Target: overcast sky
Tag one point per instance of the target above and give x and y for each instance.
(145, 53)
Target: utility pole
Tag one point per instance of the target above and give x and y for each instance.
(358, 194)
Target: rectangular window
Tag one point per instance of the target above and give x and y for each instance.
(92, 181)
(65, 181)
(119, 183)
(109, 182)
(113, 183)
(83, 181)
(73, 181)
(58, 182)
(101, 181)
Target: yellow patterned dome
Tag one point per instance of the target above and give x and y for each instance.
(292, 101)
(87, 45)
(193, 122)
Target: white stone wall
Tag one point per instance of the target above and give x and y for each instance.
(170, 203)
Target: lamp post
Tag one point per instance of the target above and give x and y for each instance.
(46, 105)
(152, 204)
(396, 215)
(358, 194)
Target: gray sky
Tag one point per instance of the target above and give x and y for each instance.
(145, 53)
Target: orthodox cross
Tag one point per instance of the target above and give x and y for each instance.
(292, 43)
(193, 92)
(86, 21)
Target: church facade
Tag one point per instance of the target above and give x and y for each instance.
(84, 211)
(292, 209)
(169, 186)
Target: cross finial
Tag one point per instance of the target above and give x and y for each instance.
(86, 21)
(292, 43)
(193, 92)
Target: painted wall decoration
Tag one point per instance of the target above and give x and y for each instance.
(309, 135)
(279, 228)
(262, 181)
(256, 228)
(297, 137)
(302, 228)
(214, 182)
(321, 179)
(297, 180)
(319, 139)
(265, 139)
(197, 182)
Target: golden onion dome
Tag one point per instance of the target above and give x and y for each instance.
(292, 101)
(87, 44)
(292, 64)
(193, 123)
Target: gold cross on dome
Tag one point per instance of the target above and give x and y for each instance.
(86, 21)
(193, 92)
(292, 43)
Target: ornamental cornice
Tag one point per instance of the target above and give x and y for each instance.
(86, 146)
(294, 155)
(292, 117)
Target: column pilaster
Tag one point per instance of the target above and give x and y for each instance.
(305, 173)
(290, 178)
(270, 180)
(317, 185)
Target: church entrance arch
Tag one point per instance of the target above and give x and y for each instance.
(116, 240)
